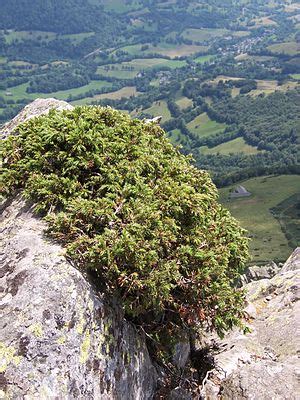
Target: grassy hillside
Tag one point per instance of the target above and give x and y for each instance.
(256, 214)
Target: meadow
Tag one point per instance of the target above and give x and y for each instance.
(205, 34)
(19, 92)
(289, 48)
(268, 242)
(125, 92)
(237, 145)
(130, 69)
(203, 126)
(184, 102)
(159, 108)
(164, 49)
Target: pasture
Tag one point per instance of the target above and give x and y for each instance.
(130, 69)
(289, 48)
(184, 102)
(237, 145)
(203, 126)
(159, 108)
(268, 242)
(19, 92)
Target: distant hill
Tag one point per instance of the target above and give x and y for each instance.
(68, 16)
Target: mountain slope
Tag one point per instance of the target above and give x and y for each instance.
(68, 16)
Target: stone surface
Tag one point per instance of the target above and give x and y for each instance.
(59, 339)
(34, 109)
(255, 273)
(293, 262)
(263, 364)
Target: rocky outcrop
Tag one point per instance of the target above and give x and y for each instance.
(262, 364)
(34, 109)
(59, 338)
(256, 273)
(293, 262)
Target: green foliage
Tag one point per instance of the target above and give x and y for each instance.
(134, 212)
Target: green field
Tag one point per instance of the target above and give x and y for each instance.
(184, 102)
(203, 35)
(119, 6)
(296, 76)
(159, 108)
(268, 242)
(125, 92)
(165, 49)
(129, 70)
(237, 145)
(203, 126)
(77, 38)
(19, 92)
(288, 215)
(289, 48)
(203, 59)
(12, 35)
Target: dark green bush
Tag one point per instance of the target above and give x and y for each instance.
(132, 209)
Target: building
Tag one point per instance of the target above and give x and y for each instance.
(239, 191)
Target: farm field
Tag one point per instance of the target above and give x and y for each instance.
(203, 59)
(205, 34)
(129, 70)
(184, 102)
(159, 108)
(264, 21)
(203, 126)
(245, 56)
(268, 87)
(289, 48)
(164, 49)
(19, 92)
(268, 242)
(12, 35)
(237, 145)
(125, 92)
(119, 6)
(263, 86)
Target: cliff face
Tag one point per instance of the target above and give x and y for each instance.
(59, 339)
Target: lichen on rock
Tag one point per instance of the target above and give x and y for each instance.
(57, 334)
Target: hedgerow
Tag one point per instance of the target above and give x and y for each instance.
(134, 211)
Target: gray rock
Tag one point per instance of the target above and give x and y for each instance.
(255, 273)
(179, 394)
(155, 120)
(181, 354)
(58, 336)
(34, 109)
(59, 339)
(262, 364)
(293, 261)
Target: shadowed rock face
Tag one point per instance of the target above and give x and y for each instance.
(59, 339)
